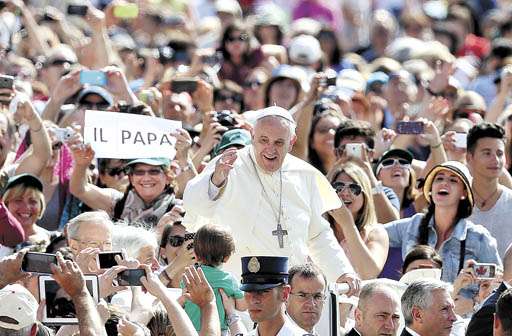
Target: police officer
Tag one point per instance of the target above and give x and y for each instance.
(265, 283)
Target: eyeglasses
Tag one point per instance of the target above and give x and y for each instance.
(303, 297)
(391, 162)
(115, 171)
(241, 38)
(95, 244)
(151, 172)
(57, 145)
(176, 241)
(226, 97)
(354, 188)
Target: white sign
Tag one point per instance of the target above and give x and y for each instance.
(129, 136)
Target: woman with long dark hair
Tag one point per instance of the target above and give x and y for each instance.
(445, 226)
(239, 57)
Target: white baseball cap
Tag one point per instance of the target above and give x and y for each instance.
(305, 49)
(18, 309)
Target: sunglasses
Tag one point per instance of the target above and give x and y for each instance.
(241, 38)
(354, 188)
(151, 172)
(115, 171)
(226, 97)
(176, 241)
(391, 162)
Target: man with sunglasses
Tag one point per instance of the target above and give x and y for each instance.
(272, 201)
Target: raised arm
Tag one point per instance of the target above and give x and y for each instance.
(69, 277)
(179, 318)
(66, 87)
(41, 147)
(367, 258)
(92, 195)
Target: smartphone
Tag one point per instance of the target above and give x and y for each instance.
(461, 140)
(35, 262)
(108, 259)
(63, 134)
(354, 150)
(60, 310)
(484, 271)
(212, 60)
(78, 10)
(6, 82)
(93, 77)
(410, 127)
(183, 85)
(131, 277)
(126, 11)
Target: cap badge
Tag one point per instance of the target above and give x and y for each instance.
(254, 265)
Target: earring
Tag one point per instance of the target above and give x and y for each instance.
(463, 198)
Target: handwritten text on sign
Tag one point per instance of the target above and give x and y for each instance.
(129, 136)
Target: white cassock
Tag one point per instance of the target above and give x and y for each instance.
(289, 328)
(251, 212)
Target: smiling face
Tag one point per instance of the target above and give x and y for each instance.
(395, 173)
(149, 181)
(488, 158)
(272, 141)
(25, 204)
(447, 189)
(323, 137)
(352, 201)
(171, 252)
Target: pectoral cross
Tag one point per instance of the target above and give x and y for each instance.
(280, 233)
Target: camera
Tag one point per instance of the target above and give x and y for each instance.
(225, 118)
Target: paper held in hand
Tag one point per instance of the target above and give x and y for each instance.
(129, 136)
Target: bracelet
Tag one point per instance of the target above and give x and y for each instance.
(378, 189)
(189, 166)
(232, 318)
(432, 93)
(436, 146)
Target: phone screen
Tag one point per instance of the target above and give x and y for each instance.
(79, 10)
(409, 127)
(108, 259)
(485, 271)
(183, 85)
(93, 77)
(131, 277)
(6, 82)
(38, 262)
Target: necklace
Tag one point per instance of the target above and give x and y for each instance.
(484, 202)
(279, 232)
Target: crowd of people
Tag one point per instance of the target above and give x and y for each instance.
(346, 154)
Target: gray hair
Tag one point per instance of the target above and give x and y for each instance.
(419, 294)
(290, 125)
(96, 217)
(370, 289)
(132, 238)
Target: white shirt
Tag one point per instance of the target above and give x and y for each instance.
(412, 332)
(243, 206)
(289, 329)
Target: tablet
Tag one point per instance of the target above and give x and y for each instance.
(59, 307)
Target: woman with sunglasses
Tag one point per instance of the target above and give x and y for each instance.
(444, 226)
(149, 195)
(174, 252)
(355, 223)
(394, 171)
(239, 57)
(112, 174)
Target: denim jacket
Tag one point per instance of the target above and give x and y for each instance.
(480, 245)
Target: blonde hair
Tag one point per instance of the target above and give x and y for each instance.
(366, 215)
(21, 190)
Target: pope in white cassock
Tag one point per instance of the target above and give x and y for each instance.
(272, 201)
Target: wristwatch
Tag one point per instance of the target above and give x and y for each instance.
(378, 189)
(232, 318)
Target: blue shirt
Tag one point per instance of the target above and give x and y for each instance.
(480, 245)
